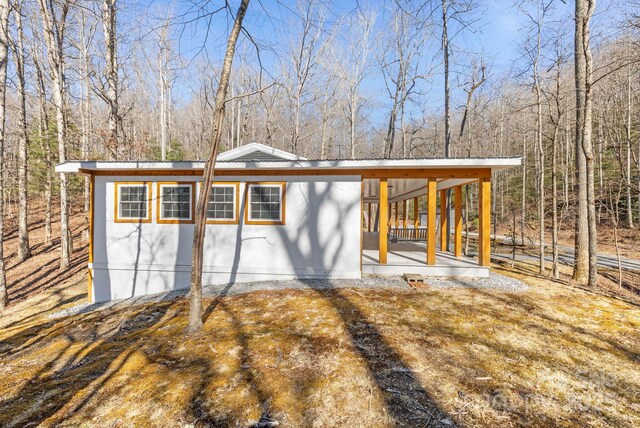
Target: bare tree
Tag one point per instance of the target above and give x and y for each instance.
(87, 31)
(627, 173)
(352, 69)
(24, 250)
(304, 56)
(447, 96)
(163, 84)
(195, 315)
(109, 10)
(4, 49)
(555, 113)
(477, 79)
(534, 51)
(585, 269)
(43, 135)
(400, 68)
(54, 17)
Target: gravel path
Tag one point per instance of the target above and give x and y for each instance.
(494, 281)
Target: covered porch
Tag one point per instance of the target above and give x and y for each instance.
(415, 225)
(409, 257)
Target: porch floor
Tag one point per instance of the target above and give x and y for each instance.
(410, 257)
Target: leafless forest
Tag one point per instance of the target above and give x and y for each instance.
(116, 80)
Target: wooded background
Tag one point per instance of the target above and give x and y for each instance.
(128, 81)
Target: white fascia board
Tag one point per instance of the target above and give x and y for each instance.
(495, 164)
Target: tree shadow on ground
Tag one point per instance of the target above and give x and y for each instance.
(407, 401)
(88, 360)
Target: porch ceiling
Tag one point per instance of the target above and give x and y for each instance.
(400, 189)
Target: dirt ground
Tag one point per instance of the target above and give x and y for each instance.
(554, 355)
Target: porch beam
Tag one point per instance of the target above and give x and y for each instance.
(384, 215)
(443, 220)
(431, 221)
(457, 221)
(484, 211)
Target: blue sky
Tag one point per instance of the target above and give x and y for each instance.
(499, 33)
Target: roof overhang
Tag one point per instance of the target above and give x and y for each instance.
(406, 176)
(493, 164)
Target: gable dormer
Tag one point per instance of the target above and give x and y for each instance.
(257, 152)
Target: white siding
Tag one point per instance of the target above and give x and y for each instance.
(320, 238)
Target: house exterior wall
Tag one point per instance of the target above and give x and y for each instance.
(320, 239)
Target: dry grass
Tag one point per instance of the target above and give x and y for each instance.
(554, 355)
(550, 356)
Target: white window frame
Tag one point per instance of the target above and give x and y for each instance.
(281, 220)
(236, 193)
(118, 218)
(161, 219)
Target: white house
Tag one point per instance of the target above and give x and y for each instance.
(274, 215)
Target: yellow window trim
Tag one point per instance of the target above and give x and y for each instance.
(116, 200)
(159, 218)
(283, 199)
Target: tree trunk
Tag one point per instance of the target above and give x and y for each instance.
(163, 116)
(109, 10)
(24, 250)
(628, 157)
(54, 36)
(43, 133)
(195, 315)
(555, 269)
(585, 268)
(391, 130)
(523, 209)
(541, 194)
(85, 112)
(4, 49)
(445, 54)
(353, 107)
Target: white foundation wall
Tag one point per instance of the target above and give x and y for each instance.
(320, 239)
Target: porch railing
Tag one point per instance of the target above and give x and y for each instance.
(408, 234)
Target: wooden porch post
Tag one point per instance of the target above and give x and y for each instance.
(484, 208)
(389, 215)
(382, 235)
(457, 222)
(443, 220)
(369, 217)
(416, 218)
(404, 214)
(431, 221)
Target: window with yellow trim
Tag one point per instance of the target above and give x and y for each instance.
(265, 203)
(222, 206)
(176, 202)
(133, 202)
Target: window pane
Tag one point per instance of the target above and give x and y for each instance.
(265, 203)
(133, 202)
(221, 203)
(176, 202)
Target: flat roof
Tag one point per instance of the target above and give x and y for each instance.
(494, 163)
